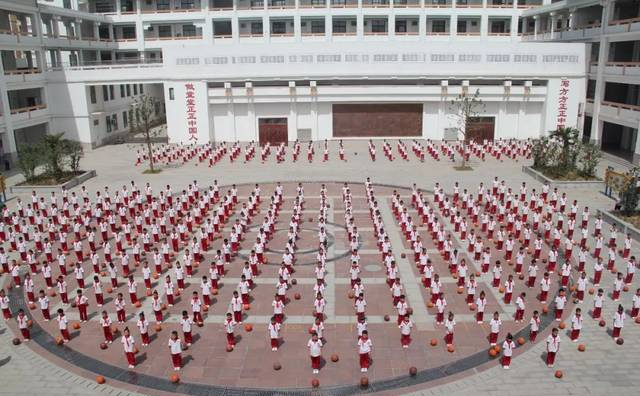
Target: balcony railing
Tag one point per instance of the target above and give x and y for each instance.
(311, 34)
(28, 109)
(621, 105)
(376, 33)
(499, 34)
(22, 71)
(166, 11)
(17, 33)
(624, 21)
(468, 33)
(407, 33)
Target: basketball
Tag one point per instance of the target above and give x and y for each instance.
(297, 296)
(16, 341)
(521, 341)
(148, 293)
(602, 323)
(413, 371)
(562, 325)
(248, 327)
(334, 357)
(100, 379)
(492, 352)
(558, 374)
(472, 307)
(103, 346)
(175, 378)
(386, 318)
(434, 342)
(158, 327)
(214, 292)
(294, 281)
(315, 383)
(229, 348)
(277, 366)
(582, 347)
(450, 349)
(246, 307)
(138, 304)
(364, 382)
(620, 341)
(76, 326)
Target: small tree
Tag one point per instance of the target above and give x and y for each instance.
(629, 193)
(54, 153)
(569, 137)
(589, 158)
(144, 107)
(464, 108)
(29, 158)
(74, 153)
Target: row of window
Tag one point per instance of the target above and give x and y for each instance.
(108, 92)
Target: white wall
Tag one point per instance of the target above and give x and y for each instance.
(177, 112)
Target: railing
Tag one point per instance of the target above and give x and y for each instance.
(374, 5)
(376, 33)
(621, 64)
(28, 109)
(407, 33)
(155, 38)
(428, 5)
(499, 34)
(621, 105)
(338, 34)
(468, 5)
(281, 6)
(313, 5)
(125, 40)
(589, 25)
(589, 100)
(17, 33)
(624, 21)
(499, 5)
(468, 33)
(438, 33)
(310, 34)
(344, 5)
(177, 9)
(286, 34)
(251, 34)
(222, 36)
(22, 71)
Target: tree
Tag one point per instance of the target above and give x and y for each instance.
(629, 193)
(29, 158)
(465, 108)
(74, 153)
(569, 138)
(54, 153)
(145, 108)
(589, 158)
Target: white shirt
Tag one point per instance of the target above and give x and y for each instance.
(175, 346)
(495, 325)
(315, 347)
(364, 346)
(128, 343)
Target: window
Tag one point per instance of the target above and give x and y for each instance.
(108, 124)
(278, 27)
(114, 121)
(187, 4)
(112, 94)
(188, 30)
(401, 26)
(163, 4)
(141, 89)
(128, 89)
(339, 26)
(105, 93)
(96, 122)
(125, 121)
(378, 26)
(339, 2)
(256, 27)
(317, 26)
(92, 94)
(439, 26)
(171, 94)
(462, 26)
(318, 2)
(128, 32)
(164, 31)
(122, 90)
(135, 89)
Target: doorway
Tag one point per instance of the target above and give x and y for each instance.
(273, 131)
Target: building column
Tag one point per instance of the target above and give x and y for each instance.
(603, 57)
(251, 114)
(293, 119)
(422, 24)
(453, 26)
(391, 28)
(55, 21)
(9, 142)
(554, 21)
(118, 7)
(297, 29)
(78, 29)
(360, 24)
(266, 27)
(636, 152)
(328, 27)
(484, 25)
(572, 19)
(514, 27)
(536, 26)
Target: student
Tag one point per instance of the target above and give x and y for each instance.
(143, 326)
(618, 322)
(175, 348)
(495, 324)
(274, 333)
(449, 325)
(535, 326)
(105, 322)
(43, 300)
(507, 351)
(576, 325)
(315, 352)
(364, 350)
(23, 324)
(82, 302)
(129, 347)
(4, 305)
(405, 331)
(553, 346)
(229, 324)
(186, 324)
(598, 301)
(63, 325)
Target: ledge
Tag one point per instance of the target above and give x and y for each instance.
(75, 181)
(563, 184)
(623, 226)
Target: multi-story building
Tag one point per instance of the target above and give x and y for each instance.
(277, 70)
(611, 31)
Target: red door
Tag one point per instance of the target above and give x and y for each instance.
(272, 131)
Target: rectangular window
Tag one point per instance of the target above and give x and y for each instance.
(438, 26)
(171, 94)
(164, 31)
(96, 122)
(135, 89)
(128, 89)
(108, 124)
(105, 93)
(114, 120)
(163, 4)
(188, 30)
(141, 89)
(122, 90)
(317, 26)
(125, 121)
(256, 27)
(378, 26)
(92, 94)
(401, 26)
(278, 27)
(339, 26)
(462, 26)
(112, 94)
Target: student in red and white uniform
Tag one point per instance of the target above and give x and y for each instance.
(405, 331)
(143, 326)
(186, 324)
(128, 343)
(553, 346)
(63, 325)
(495, 325)
(618, 322)
(560, 302)
(576, 325)
(520, 306)
(441, 304)
(507, 351)
(635, 310)
(105, 322)
(315, 352)
(449, 325)
(274, 333)
(545, 286)
(175, 348)
(23, 325)
(4, 305)
(534, 326)
(236, 307)
(43, 301)
(631, 270)
(481, 303)
(82, 302)
(364, 350)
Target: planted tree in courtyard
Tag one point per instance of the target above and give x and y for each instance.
(74, 152)
(144, 108)
(629, 193)
(29, 158)
(464, 109)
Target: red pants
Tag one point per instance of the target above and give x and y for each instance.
(615, 333)
(551, 357)
(532, 335)
(364, 360)
(506, 360)
(25, 334)
(145, 338)
(274, 343)
(107, 333)
(65, 334)
(231, 339)
(237, 316)
(6, 313)
(82, 309)
(131, 358)
(519, 314)
(559, 313)
(158, 316)
(188, 338)
(575, 334)
(448, 338)
(493, 338)
(122, 317)
(597, 311)
(405, 339)
(315, 362)
(479, 316)
(176, 358)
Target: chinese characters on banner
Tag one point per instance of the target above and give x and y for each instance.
(562, 103)
(192, 119)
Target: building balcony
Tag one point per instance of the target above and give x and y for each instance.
(281, 4)
(195, 7)
(312, 3)
(624, 25)
(500, 4)
(437, 3)
(221, 5)
(250, 5)
(375, 3)
(344, 4)
(28, 113)
(631, 69)
(406, 3)
(469, 4)
(170, 38)
(627, 112)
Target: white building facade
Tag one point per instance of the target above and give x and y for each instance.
(278, 70)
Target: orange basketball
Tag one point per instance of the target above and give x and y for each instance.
(335, 357)
(29, 323)
(177, 292)
(501, 289)
(429, 304)
(114, 329)
(297, 296)
(521, 341)
(521, 276)
(148, 293)
(248, 327)
(109, 290)
(163, 306)
(155, 275)
(558, 374)
(351, 294)
(205, 308)
(402, 255)
(434, 342)
(315, 383)
(413, 371)
(625, 288)
(409, 311)
(229, 348)
(497, 348)
(137, 304)
(32, 306)
(572, 289)
(52, 293)
(246, 307)
(472, 306)
(450, 349)
(638, 319)
(545, 310)
(158, 327)
(562, 325)
(460, 290)
(592, 290)
(76, 325)
(582, 347)
(364, 382)
(175, 378)
(478, 273)
(214, 292)
(492, 352)
(100, 379)
(59, 340)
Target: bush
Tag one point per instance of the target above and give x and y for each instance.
(563, 155)
(29, 158)
(589, 157)
(630, 194)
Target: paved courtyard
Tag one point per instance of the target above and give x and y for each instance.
(209, 369)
